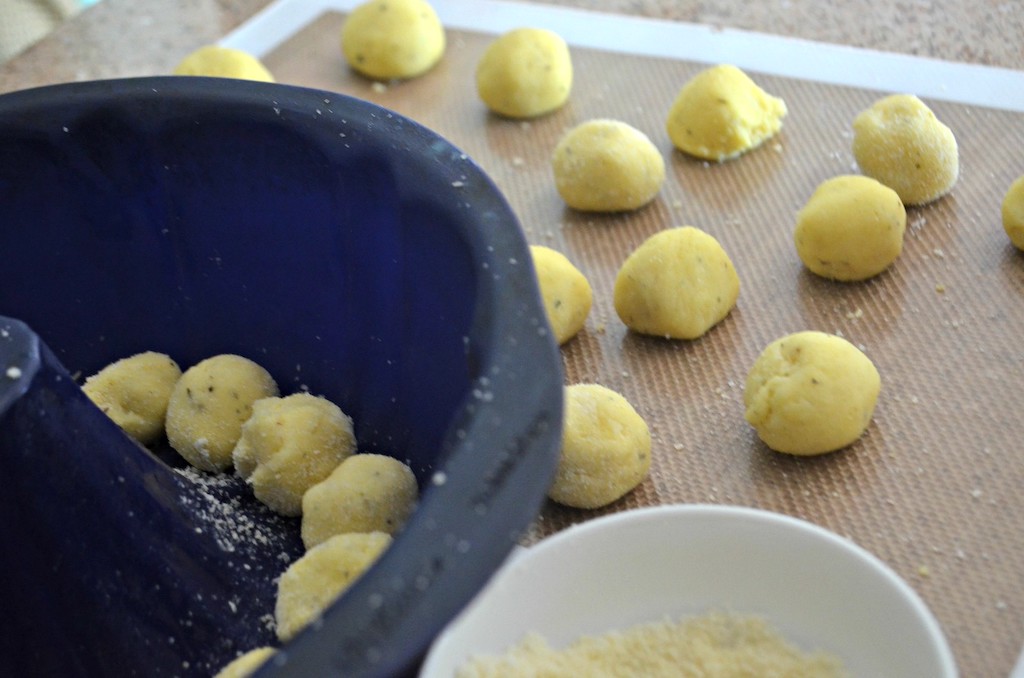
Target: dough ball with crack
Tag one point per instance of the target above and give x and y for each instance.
(606, 448)
(1013, 213)
(851, 228)
(721, 113)
(134, 392)
(525, 73)
(393, 39)
(678, 284)
(290, 444)
(318, 578)
(247, 664)
(900, 142)
(565, 290)
(810, 393)
(223, 62)
(208, 406)
(607, 166)
(365, 493)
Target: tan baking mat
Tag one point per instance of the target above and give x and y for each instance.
(934, 488)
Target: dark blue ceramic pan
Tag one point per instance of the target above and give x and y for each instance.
(349, 251)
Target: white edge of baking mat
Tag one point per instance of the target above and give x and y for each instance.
(974, 84)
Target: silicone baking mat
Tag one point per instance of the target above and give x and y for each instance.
(934, 486)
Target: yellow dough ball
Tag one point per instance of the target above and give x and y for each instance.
(607, 166)
(565, 290)
(317, 579)
(678, 284)
(134, 393)
(393, 39)
(525, 73)
(208, 406)
(290, 444)
(223, 62)
(900, 142)
(1013, 213)
(247, 664)
(721, 113)
(366, 493)
(606, 448)
(851, 228)
(809, 393)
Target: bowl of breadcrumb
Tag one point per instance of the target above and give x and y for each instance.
(279, 393)
(695, 591)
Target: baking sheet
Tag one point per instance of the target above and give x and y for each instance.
(933, 487)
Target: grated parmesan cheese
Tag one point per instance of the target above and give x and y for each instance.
(715, 645)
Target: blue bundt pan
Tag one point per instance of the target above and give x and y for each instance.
(349, 251)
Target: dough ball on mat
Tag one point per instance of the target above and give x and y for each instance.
(318, 578)
(607, 166)
(208, 406)
(1013, 213)
(223, 62)
(851, 228)
(566, 292)
(721, 113)
(247, 664)
(365, 493)
(134, 393)
(900, 142)
(678, 284)
(809, 393)
(290, 444)
(525, 73)
(606, 448)
(393, 39)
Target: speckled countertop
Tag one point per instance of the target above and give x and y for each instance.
(144, 37)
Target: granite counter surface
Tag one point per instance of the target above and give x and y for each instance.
(117, 38)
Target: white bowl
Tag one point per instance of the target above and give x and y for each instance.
(820, 591)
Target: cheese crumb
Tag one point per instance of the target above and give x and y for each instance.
(733, 643)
